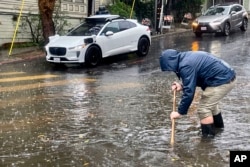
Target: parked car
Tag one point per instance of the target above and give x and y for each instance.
(221, 19)
(98, 37)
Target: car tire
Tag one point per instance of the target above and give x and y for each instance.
(93, 56)
(198, 34)
(143, 46)
(244, 24)
(226, 30)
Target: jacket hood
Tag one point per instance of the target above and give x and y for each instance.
(169, 60)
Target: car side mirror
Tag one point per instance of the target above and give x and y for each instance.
(109, 33)
(233, 12)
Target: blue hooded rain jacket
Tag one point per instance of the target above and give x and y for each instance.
(195, 68)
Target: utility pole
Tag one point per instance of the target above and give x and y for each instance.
(159, 7)
(161, 16)
(155, 15)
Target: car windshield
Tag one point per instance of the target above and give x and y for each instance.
(217, 10)
(86, 29)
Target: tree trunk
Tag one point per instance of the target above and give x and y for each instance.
(46, 8)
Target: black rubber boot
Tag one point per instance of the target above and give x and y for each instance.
(207, 130)
(218, 121)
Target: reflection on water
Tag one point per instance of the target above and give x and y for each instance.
(115, 117)
(118, 122)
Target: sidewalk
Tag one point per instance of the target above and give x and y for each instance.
(20, 54)
(24, 54)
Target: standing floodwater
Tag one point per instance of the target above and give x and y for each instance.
(118, 114)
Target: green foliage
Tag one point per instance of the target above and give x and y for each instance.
(60, 21)
(187, 6)
(141, 9)
(145, 9)
(120, 8)
(31, 24)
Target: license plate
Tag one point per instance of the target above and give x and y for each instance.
(203, 28)
(57, 60)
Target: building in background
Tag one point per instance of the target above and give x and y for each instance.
(75, 10)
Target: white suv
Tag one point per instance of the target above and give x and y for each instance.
(98, 37)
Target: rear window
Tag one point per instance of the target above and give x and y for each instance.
(124, 25)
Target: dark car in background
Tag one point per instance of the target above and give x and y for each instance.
(221, 19)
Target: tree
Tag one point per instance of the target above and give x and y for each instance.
(120, 8)
(145, 9)
(187, 6)
(31, 24)
(46, 8)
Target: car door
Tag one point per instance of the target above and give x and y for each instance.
(109, 39)
(239, 13)
(235, 14)
(129, 35)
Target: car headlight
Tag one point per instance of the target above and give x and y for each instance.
(195, 23)
(79, 47)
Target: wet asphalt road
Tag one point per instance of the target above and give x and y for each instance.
(118, 113)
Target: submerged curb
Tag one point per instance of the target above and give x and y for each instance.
(17, 58)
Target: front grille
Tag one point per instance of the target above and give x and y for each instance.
(203, 23)
(61, 59)
(57, 51)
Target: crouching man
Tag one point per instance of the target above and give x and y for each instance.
(200, 69)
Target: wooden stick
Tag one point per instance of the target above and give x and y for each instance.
(173, 121)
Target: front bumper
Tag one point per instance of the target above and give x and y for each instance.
(63, 55)
(207, 28)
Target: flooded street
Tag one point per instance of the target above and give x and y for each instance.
(117, 115)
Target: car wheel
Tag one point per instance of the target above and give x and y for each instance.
(198, 34)
(226, 29)
(143, 47)
(93, 56)
(244, 25)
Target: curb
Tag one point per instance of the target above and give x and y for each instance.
(173, 31)
(22, 58)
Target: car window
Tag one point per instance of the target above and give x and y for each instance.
(113, 26)
(238, 8)
(218, 10)
(124, 25)
(86, 29)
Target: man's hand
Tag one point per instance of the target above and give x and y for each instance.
(174, 115)
(176, 86)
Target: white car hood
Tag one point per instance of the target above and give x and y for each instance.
(66, 41)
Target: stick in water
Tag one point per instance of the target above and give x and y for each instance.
(173, 121)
